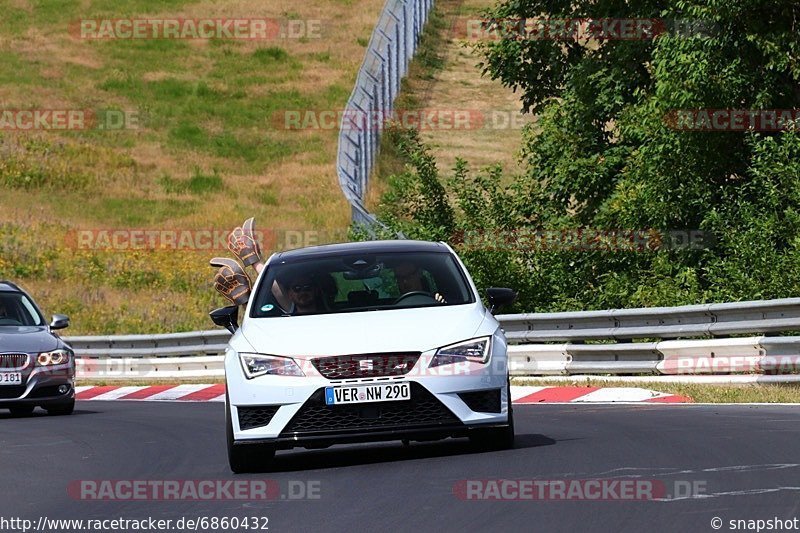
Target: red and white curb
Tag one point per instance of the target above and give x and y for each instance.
(519, 394)
(164, 393)
(528, 395)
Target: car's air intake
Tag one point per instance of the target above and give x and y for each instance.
(317, 418)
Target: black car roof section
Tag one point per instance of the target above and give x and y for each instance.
(364, 247)
(7, 286)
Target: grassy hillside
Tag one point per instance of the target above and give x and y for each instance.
(206, 154)
(445, 77)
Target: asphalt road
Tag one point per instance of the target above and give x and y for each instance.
(744, 459)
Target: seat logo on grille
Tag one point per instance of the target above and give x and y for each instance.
(365, 364)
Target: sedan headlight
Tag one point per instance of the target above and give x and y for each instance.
(262, 365)
(56, 357)
(475, 350)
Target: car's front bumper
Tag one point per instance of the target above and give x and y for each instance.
(295, 413)
(40, 387)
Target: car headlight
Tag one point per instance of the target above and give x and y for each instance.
(261, 365)
(474, 350)
(56, 357)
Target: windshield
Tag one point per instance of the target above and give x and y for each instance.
(17, 310)
(362, 282)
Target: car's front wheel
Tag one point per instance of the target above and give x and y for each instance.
(501, 438)
(61, 409)
(246, 458)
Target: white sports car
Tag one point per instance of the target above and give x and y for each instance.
(359, 342)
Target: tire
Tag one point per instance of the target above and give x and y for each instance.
(23, 410)
(62, 409)
(246, 458)
(501, 438)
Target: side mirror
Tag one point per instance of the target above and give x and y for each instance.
(59, 322)
(226, 317)
(500, 296)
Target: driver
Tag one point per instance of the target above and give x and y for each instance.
(410, 279)
(8, 313)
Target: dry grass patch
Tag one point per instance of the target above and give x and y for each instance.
(444, 77)
(206, 109)
(460, 85)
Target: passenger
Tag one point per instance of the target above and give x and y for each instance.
(304, 294)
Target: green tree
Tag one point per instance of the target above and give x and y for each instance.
(604, 154)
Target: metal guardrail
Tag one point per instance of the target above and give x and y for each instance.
(388, 55)
(193, 343)
(671, 357)
(146, 368)
(707, 320)
(197, 354)
(194, 354)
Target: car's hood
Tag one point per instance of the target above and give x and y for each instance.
(26, 339)
(404, 330)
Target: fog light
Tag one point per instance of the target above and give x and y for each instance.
(63, 389)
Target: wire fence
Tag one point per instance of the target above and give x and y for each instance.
(386, 62)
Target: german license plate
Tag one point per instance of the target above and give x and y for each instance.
(10, 378)
(385, 392)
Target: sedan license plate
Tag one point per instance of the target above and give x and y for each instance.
(385, 392)
(10, 378)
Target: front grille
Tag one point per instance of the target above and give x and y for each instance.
(13, 361)
(256, 416)
(11, 391)
(317, 418)
(365, 366)
(485, 401)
